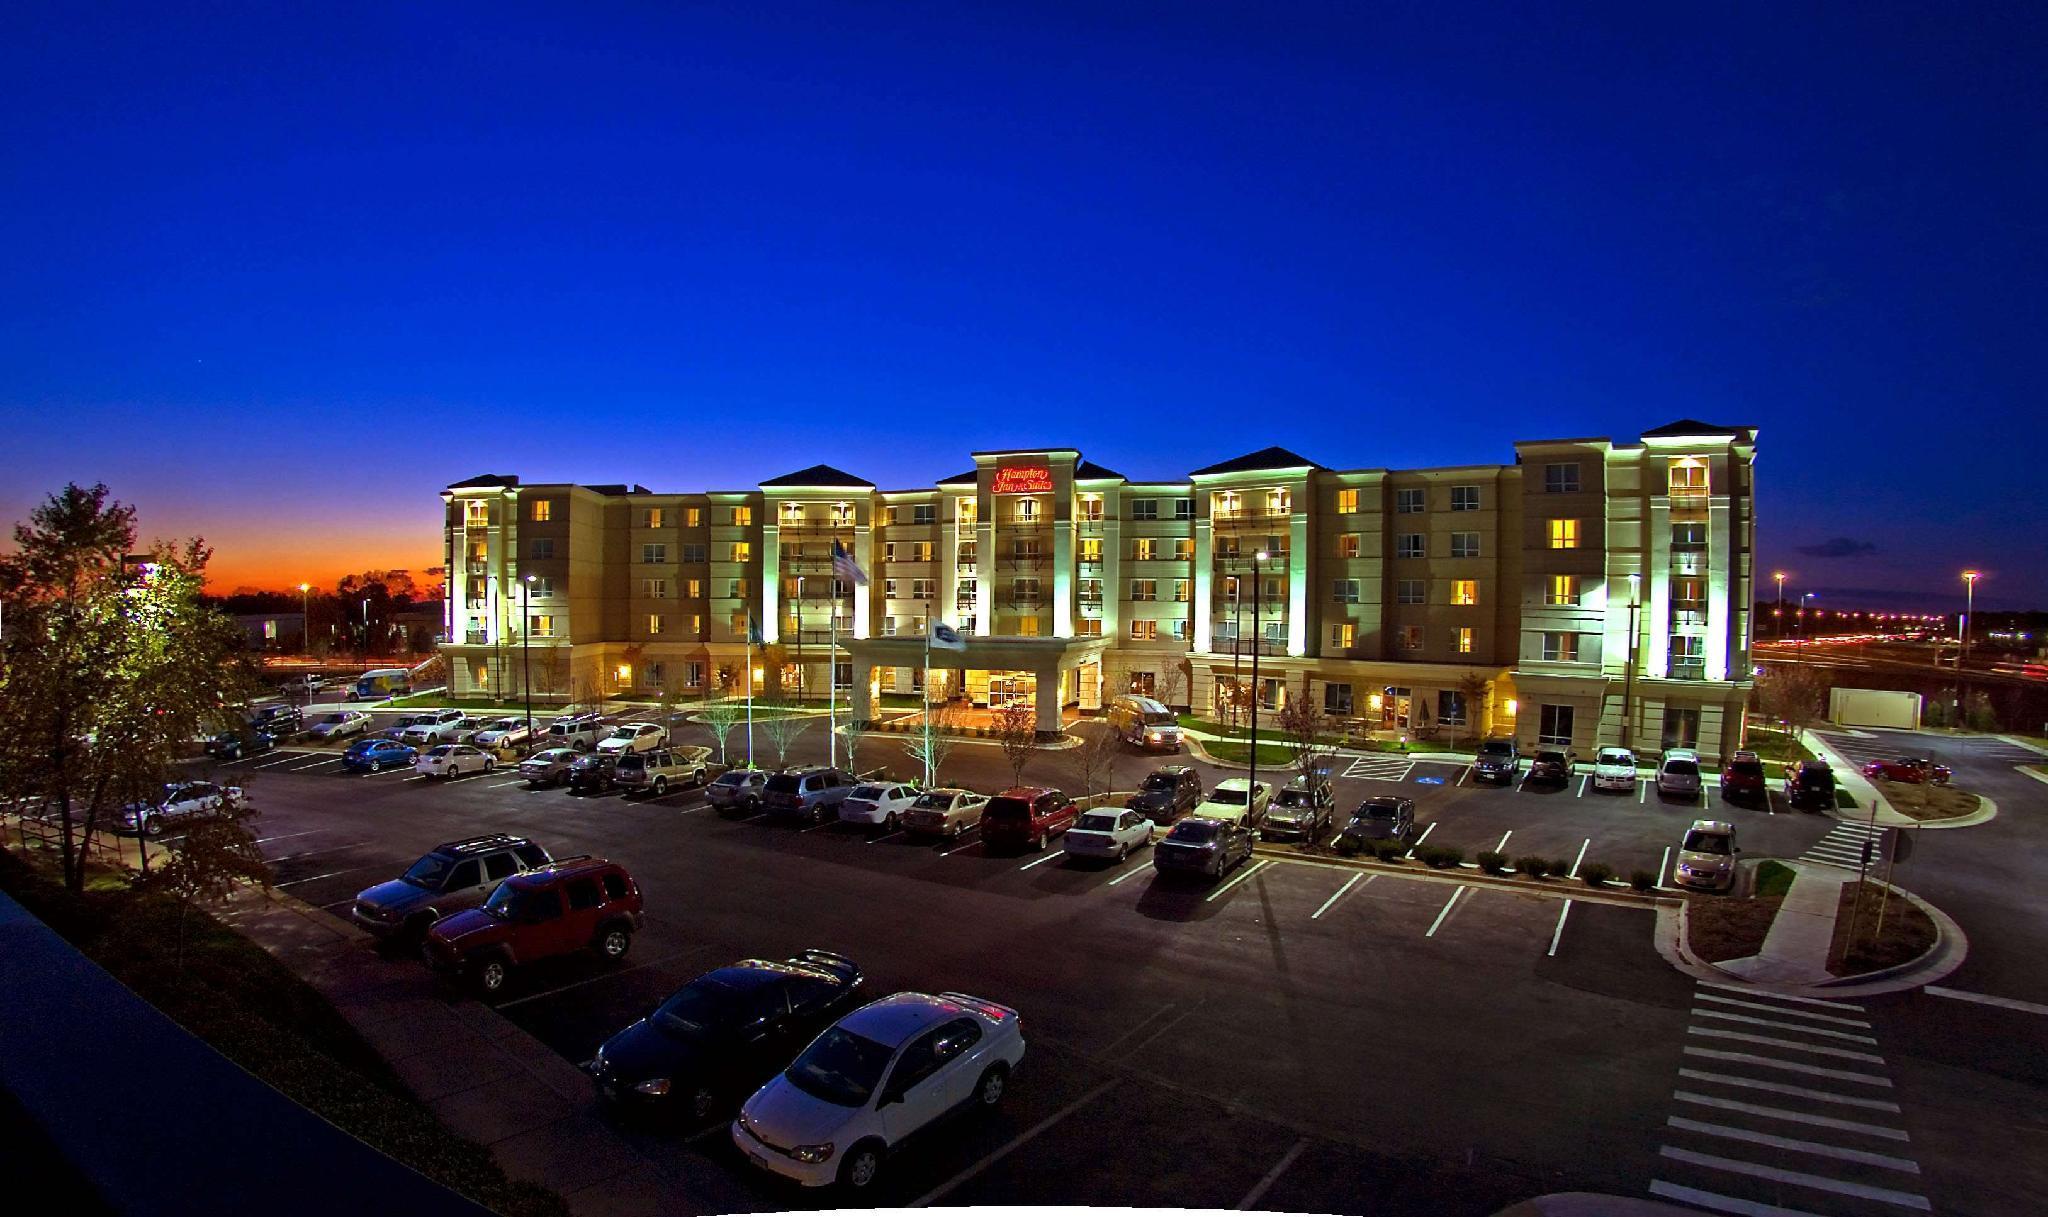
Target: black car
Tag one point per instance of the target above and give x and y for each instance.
(593, 772)
(1497, 761)
(280, 722)
(1381, 818)
(718, 1038)
(1303, 809)
(1810, 784)
(235, 744)
(1551, 767)
(1167, 794)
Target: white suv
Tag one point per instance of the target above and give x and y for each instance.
(875, 1077)
(1614, 769)
(1238, 800)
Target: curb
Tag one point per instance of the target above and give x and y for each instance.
(1469, 876)
(1860, 786)
(2017, 742)
(1946, 934)
(1986, 812)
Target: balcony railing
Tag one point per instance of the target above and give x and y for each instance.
(1224, 644)
(476, 638)
(1250, 515)
(1687, 620)
(1688, 669)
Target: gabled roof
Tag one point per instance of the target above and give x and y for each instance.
(1264, 458)
(959, 479)
(484, 479)
(1692, 426)
(820, 475)
(1089, 471)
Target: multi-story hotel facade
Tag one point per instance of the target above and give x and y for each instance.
(1591, 592)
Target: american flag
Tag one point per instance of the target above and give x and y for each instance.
(845, 569)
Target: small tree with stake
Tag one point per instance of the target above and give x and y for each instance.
(1305, 725)
(1095, 758)
(934, 739)
(215, 855)
(782, 726)
(721, 714)
(1016, 727)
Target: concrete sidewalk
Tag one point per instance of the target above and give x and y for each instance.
(1795, 952)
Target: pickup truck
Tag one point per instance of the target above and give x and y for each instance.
(654, 772)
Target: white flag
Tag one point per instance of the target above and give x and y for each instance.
(946, 638)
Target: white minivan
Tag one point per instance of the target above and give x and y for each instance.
(1144, 723)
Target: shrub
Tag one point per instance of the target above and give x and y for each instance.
(1440, 857)
(1533, 865)
(1595, 874)
(1389, 849)
(1491, 862)
(1561, 868)
(1642, 880)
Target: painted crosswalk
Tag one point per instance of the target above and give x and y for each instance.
(1844, 845)
(1784, 1108)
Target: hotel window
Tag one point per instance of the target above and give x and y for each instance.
(967, 589)
(1091, 549)
(693, 517)
(1555, 725)
(479, 551)
(1560, 647)
(888, 516)
(923, 589)
(740, 624)
(736, 589)
(1280, 502)
(1688, 592)
(1345, 591)
(1180, 628)
(654, 589)
(542, 586)
(1228, 588)
(1410, 637)
(1144, 509)
(1688, 476)
(1090, 591)
(1024, 549)
(693, 588)
(696, 553)
(1227, 546)
(1409, 545)
(1688, 538)
(1183, 549)
(1564, 534)
(964, 510)
(1347, 501)
(654, 553)
(1464, 545)
(1091, 507)
(920, 551)
(888, 627)
(742, 551)
(1465, 592)
(543, 547)
(1409, 591)
(1276, 545)
(1344, 635)
(889, 589)
(1144, 631)
(1024, 589)
(654, 623)
(1273, 593)
(920, 513)
(1144, 549)
(1027, 627)
(1464, 640)
(743, 517)
(1464, 498)
(693, 675)
(1027, 511)
(1337, 699)
(1688, 656)
(1183, 590)
(1088, 627)
(696, 625)
(1564, 589)
(1144, 589)
(919, 626)
(1183, 509)
(653, 519)
(543, 510)
(541, 625)
(888, 551)
(965, 626)
(1561, 478)
(476, 512)
(1348, 545)
(793, 514)
(1409, 500)
(1450, 707)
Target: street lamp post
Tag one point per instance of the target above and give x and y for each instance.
(1251, 794)
(1780, 577)
(1970, 578)
(1804, 633)
(1628, 687)
(526, 650)
(306, 618)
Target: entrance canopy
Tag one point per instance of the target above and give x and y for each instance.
(1044, 658)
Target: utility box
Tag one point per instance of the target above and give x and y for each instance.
(1874, 708)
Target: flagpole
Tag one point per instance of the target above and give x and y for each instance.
(749, 675)
(832, 678)
(926, 689)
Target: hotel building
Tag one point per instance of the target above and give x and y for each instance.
(1591, 592)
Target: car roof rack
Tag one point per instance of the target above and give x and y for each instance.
(487, 841)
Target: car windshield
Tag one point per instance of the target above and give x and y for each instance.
(1379, 811)
(936, 801)
(1814, 775)
(699, 1006)
(1295, 798)
(504, 724)
(1098, 821)
(334, 718)
(1550, 758)
(1682, 768)
(840, 1067)
(441, 750)
(1229, 796)
(1615, 756)
(1160, 718)
(1698, 842)
(866, 792)
(1161, 781)
(1496, 748)
(1193, 832)
(429, 871)
(514, 903)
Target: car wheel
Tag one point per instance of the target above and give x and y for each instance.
(454, 772)
(491, 977)
(889, 825)
(152, 826)
(613, 941)
(660, 787)
(989, 1091)
(862, 1163)
(1038, 844)
(701, 1103)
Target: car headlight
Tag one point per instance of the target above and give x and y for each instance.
(653, 1086)
(812, 1153)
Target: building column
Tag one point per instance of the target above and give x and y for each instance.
(771, 577)
(1719, 578)
(863, 679)
(863, 599)
(1048, 698)
(1205, 561)
(1300, 550)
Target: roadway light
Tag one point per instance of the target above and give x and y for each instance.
(1780, 577)
(1970, 578)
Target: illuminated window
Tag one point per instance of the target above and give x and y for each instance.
(1564, 589)
(1183, 590)
(696, 625)
(1027, 510)
(476, 512)
(1564, 534)
(743, 517)
(1688, 476)
(1561, 647)
(1144, 631)
(1344, 635)
(738, 625)
(970, 553)
(654, 623)
(793, 513)
(541, 625)
(1091, 507)
(1464, 640)
(964, 511)
(1348, 545)
(1465, 592)
(888, 516)
(1409, 637)
(920, 551)
(654, 517)
(694, 588)
(693, 517)
(1347, 501)
(1223, 505)
(1027, 627)
(742, 551)
(1088, 627)
(543, 510)
(1144, 549)
(1091, 549)
(1183, 549)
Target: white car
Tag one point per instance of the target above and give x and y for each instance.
(945, 812)
(1614, 769)
(453, 760)
(1107, 832)
(1236, 801)
(878, 803)
(1678, 774)
(504, 733)
(340, 725)
(433, 727)
(634, 737)
(874, 1078)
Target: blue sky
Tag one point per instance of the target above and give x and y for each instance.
(277, 275)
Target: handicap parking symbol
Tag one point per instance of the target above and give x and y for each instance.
(1429, 781)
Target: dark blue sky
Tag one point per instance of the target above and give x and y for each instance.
(278, 276)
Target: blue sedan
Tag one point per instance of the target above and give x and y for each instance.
(372, 755)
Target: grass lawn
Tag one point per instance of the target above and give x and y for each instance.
(1725, 929)
(1269, 728)
(1907, 932)
(248, 1006)
(1778, 746)
(1231, 752)
(1927, 802)
(435, 701)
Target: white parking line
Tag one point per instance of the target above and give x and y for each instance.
(958, 848)
(329, 875)
(1279, 1168)
(1243, 875)
(1642, 792)
(1051, 856)
(1523, 782)
(1775, 1174)
(1130, 870)
(315, 852)
(1405, 772)
(288, 836)
(1558, 934)
(1664, 867)
(1581, 858)
(1582, 785)
(1348, 883)
(332, 760)
(885, 837)
(1003, 1151)
(591, 980)
(2008, 1003)
(283, 760)
(1448, 905)
(513, 782)
(820, 824)
(1503, 841)
(1464, 773)
(1430, 828)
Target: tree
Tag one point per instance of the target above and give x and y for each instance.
(1173, 680)
(782, 726)
(1233, 697)
(214, 856)
(1793, 694)
(1473, 691)
(721, 714)
(851, 733)
(1016, 728)
(111, 665)
(1095, 758)
(1305, 725)
(935, 737)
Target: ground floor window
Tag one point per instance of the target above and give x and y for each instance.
(657, 674)
(1555, 725)
(1450, 707)
(916, 680)
(842, 675)
(1143, 683)
(1337, 699)
(1681, 727)
(693, 676)
(1271, 693)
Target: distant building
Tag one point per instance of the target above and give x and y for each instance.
(274, 631)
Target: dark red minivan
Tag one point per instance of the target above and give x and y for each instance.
(1027, 816)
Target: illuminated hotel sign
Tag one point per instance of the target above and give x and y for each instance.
(1023, 479)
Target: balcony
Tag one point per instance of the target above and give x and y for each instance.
(476, 523)
(1688, 669)
(815, 528)
(1246, 516)
(478, 566)
(1222, 644)
(1688, 620)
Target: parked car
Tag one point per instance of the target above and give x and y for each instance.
(340, 725)
(1810, 784)
(280, 721)
(1550, 767)
(634, 737)
(654, 772)
(1303, 809)
(570, 905)
(237, 742)
(504, 733)
(874, 1078)
(1498, 760)
(454, 760)
(945, 812)
(448, 878)
(182, 803)
(1909, 769)
(1026, 816)
(737, 790)
(878, 804)
(376, 755)
(592, 772)
(1167, 793)
(1383, 817)
(396, 731)
(1202, 846)
(812, 794)
(1107, 832)
(1144, 723)
(1742, 778)
(548, 766)
(1237, 799)
(578, 731)
(433, 727)
(719, 1037)
(1614, 769)
(1678, 774)
(1706, 857)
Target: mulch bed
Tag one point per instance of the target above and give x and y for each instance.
(1906, 934)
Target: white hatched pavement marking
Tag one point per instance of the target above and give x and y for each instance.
(1752, 1020)
(1786, 1088)
(1787, 1114)
(1775, 1174)
(1784, 997)
(1786, 1010)
(1749, 1136)
(1772, 1062)
(1772, 1041)
(1722, 1204)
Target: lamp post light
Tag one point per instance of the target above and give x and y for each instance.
(1628, 687)
(1970, 578)
(1251, 794)
(1804, 633)
(306, 618)
(526, 651)
(1780, 577)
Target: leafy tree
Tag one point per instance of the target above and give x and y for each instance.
(1473, 689)
(1793, 693)
(935, 737)
(112, 664)
(1016, 728)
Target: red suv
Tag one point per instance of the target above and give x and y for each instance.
(1028, 815)
(574, 904)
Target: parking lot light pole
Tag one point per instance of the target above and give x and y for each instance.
(306, 618)
(1251, 794)
(1970, 578)
(526, 650)
(1628, 686)
(1780, 577)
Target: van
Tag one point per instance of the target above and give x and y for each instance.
(1144, 723)
(380, 683)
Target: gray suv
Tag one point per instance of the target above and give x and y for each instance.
(1168, 793)
(1498, 761)
(813, 794)
(654, 772)
(450, 878)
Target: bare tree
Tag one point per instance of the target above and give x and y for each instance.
(1173, 681)
(1793, 694)
(1472, 690)
(1307, 728)
(1095, 759)
(1016, 728)
(935, 737)
(782, 726)
(1234, 696)
(721, 715)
